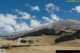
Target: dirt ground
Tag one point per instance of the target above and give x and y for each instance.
(45, 44)
(39, 49)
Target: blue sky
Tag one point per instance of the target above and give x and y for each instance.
(35, 10)
(6, 6)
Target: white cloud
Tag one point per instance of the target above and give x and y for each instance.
(52, 18)
(8, 24)
(8, 19)
(50, 8)
(77, 9)
(24, 26)
(5, 27)
(55, 17)
(47, 19)
(24, 15)
(35, 8)
(8, 28)
(35, 23)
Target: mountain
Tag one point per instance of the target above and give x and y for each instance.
(40, 32)
(55, 28)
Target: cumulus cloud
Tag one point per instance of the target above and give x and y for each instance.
(8, 24)
(50, 8)
(24, 15)
(35, 8)
(52, 18)
(8, 19)
(35, 23)
(77, 9)
(47, 19)
(6, 28)
(22, 26)
(51, 21)
(55, 17)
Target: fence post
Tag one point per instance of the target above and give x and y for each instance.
(18, 41)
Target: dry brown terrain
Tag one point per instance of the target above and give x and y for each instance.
(42, 40)
(72, 43)
(45, 45)
(7, 42)
(40, 49)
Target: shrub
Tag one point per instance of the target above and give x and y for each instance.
(23, 41)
